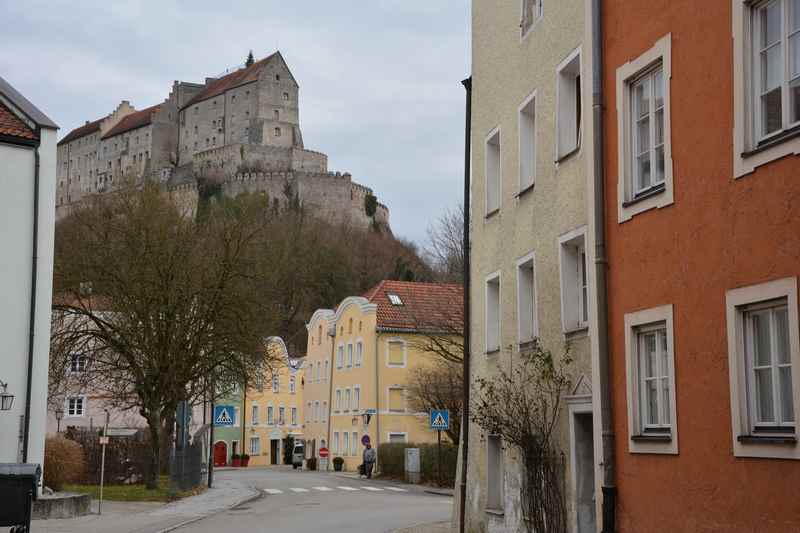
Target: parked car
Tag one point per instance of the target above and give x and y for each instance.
(298, 454)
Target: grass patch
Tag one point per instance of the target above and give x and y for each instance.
(135, 493)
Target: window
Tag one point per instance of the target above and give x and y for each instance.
(286, 96)
(294, 416)
(276, 384)
(350, 326)
(254, 415)
(359, 353)
(493, 171)
(396, 353)
(493, 313)
(356, 398)
(281, 416)
(568, 105)
(347, 399)
(397, 402)
(324, 415)
(77, 363)
(325, 376)
(76, 406)
(277, 77)
(255, 446)
(270, 416)
(395, 299)
(319, 335)
(643, 122)
(309, 413)
(527, 143)
(397, 438)
(335, 442)
(527, 323)
(763, 355)
(277, 132)
(345, 443)
(574, 282)
(494, 473)
(319, 372)
(531, 13)
(650, 373)
(349, 355)
(354, 444)
(340, 357)
(338, 400)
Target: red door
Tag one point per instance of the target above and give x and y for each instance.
(220, 454)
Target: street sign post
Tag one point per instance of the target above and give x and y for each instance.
(224, 415)
(440, 420)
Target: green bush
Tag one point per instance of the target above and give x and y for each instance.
(311, 463)
(63, 462)
(392, 459)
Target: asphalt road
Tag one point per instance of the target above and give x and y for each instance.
(300, 502)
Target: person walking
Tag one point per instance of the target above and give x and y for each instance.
(369, 457)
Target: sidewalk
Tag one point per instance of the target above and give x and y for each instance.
(437, 527)
(125, 517)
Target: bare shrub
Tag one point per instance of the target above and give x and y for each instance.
(63, 462)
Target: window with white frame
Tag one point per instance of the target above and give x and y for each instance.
(345, 443)
(531, 13)
(494, 473)
(340, 357)
(294, 416)
(493, 313)
(292, 384)
(359, 353)
(397, 438)
(270, 415)
(349, 355)
(493, 171)
(354, 444)
(324, 415)
(338, 400)
(763, 358)
(319, 371)
(574, 281)
(644, 138)
(309, 412)
(254, 415)
(325, 375)
(526, 300)
(347, 398)
(281, 416)
(276, 384)
(397, 399)
(396, 353)
(650, 373)
(335, 442)
(356, 398)
(527, 143)
(76, 406)
(316, 411)
(255, 445)
(568, 105)
(77, 363)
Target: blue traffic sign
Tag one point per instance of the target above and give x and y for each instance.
(440, 419)
(224, 415)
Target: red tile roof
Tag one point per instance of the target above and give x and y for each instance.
(425, 306)
(232, 80)
(12, 126)
(137, 119)
(82, 131)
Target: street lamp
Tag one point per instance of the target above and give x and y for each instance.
(6, 399)
(59, 416)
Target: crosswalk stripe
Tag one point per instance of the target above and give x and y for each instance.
(373, 489)
(347, 488)
(396, 489)
(298, 490)
(323, 489)
(273, 491)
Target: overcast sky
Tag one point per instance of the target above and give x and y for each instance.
(379, 79)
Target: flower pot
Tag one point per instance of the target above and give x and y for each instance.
(246, 460)
(236, 462)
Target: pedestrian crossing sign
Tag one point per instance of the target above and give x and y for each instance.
(224, 415)
(440, 419)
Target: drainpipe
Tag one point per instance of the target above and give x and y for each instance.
(609, 488)
(32, 329)
(377, 402)
(329, 380)
(466, 327)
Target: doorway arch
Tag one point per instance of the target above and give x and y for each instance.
(220, 453)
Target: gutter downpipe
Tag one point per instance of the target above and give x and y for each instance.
(34, 265)
(466, 327)
(377, 396)
(329, 381)
(609, 488)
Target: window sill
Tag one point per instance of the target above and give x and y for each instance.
(527, 346)
(525, 190)
(652, 438)
(764, 439)
(495, 512)
(568, 155)
(492, 213)
(576, 333)
(765, 145)
(644, 195)
(493, 351)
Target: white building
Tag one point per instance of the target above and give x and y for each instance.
(27, 213)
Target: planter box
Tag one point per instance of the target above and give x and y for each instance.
(236, 462)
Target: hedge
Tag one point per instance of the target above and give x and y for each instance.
(391, 460)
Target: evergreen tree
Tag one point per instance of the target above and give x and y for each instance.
(250, 60)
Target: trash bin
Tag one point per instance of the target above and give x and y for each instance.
(18, 484)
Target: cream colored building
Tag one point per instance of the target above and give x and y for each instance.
(530, 275)
(274, 408)
(316, 394)
(371, 343)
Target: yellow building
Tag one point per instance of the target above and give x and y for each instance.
(316, 393)
(274, 408)
(371, 343)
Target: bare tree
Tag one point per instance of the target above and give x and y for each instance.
(438, 385)
(522, 407)
(445, 246)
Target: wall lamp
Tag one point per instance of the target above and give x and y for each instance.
(6, 399)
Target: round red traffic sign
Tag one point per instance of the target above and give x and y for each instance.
(323, 452)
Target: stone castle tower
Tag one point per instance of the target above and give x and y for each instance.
(241, 128)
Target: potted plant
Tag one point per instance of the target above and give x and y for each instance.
(338, 463)
(245, 459)
(236, 460)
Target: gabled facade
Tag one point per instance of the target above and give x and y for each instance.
(317, 391)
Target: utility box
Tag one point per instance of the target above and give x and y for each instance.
(412, 465)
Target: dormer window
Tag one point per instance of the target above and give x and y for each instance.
(395, 299)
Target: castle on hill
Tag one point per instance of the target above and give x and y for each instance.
(241, 128)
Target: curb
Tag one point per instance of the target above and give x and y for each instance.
(439, 492)
(253, 497)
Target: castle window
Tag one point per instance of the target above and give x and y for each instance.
(196, 109)
(214, 102)
(286, 96)
(277, 115)
(277, 132)
(233, 97)
(213, 140)
(277, 77)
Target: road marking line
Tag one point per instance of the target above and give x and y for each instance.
(347, 488)
(323, 489)
(373, 489)
(396, 489)
(299, 490)
(273, 491)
